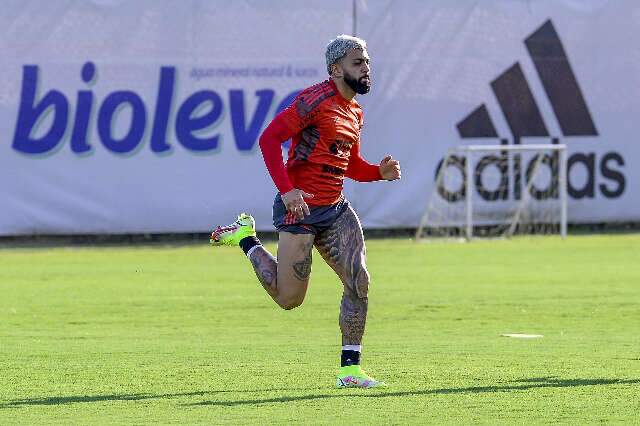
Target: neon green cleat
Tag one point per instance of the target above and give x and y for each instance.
(231, 235)
(353, 376)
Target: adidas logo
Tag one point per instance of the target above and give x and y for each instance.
(518, 104)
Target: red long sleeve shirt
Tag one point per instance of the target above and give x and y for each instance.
(324, 129)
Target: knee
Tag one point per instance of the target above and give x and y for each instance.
(290, 303)
(287, 306)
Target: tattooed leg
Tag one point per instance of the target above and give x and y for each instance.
(353, 316)
(266, 269)
(294, 268)
(342, 247)
(287, 278)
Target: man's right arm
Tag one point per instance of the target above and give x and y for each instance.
(271, 146)
(284, 127)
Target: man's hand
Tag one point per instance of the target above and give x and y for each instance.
(390, 168)
(294, 202)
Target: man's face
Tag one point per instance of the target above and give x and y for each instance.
(355, 70)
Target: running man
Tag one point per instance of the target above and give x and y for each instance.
(324, 123)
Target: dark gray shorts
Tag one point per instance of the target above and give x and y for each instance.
(321, 217)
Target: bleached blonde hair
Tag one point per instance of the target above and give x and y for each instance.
(339, 46)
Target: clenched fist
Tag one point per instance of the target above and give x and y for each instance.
(390, 168)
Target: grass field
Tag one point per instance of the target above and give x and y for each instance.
(185, 335)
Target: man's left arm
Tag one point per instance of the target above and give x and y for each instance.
(361, 170)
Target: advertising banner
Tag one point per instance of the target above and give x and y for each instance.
(143, 116)
(448, 74)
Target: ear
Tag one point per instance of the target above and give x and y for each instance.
(336, 70)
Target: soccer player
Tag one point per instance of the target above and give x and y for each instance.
(324, 124)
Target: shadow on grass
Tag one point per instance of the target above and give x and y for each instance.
(62, 400)
(525, 384)
(519, 385)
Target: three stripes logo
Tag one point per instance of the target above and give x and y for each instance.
(518, 104)
(522, 115)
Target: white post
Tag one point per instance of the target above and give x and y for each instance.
(469, 194)
(562, 183)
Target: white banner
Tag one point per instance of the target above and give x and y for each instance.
(124, 116)
(143, 116)
(470, 72)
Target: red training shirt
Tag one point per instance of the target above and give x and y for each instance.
(324, 129)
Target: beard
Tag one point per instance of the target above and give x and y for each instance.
(361, 86)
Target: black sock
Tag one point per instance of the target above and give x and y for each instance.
(349, 358)
(247, 243)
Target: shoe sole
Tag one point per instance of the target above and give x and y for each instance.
(342, 385)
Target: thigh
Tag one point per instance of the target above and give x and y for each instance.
(294, 264)
(342, 247)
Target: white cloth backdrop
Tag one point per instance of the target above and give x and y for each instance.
(434, 62)
(142, 116)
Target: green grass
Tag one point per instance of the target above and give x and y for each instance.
(186, 335)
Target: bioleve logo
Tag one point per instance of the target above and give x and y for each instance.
(517, 102)
(199, 112)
